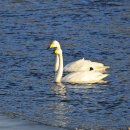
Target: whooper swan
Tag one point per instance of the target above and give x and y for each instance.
(77, 77)
(79, 65)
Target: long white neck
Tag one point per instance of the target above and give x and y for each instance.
(57, 59)
(60, 69)
(57, 63)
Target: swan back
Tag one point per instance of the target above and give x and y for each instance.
(79, 65)
(84, 65)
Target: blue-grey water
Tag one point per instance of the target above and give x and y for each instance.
(97, 30)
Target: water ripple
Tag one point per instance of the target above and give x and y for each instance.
(94, 29)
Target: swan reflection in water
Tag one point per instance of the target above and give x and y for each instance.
(68, 96)
(59, 88)
(61, 109)
(64, 91)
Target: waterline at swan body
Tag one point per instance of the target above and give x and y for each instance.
(84, 77)
(77, 77)
(79, 65)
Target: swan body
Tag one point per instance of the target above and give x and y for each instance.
(77, 77)
(84, 65)
(84, 77)
(79, 65)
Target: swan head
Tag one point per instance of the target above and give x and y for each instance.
(58, 51)
(55, 44)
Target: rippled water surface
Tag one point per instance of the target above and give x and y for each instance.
(97, 30)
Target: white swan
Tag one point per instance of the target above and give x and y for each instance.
(77, 77)
(79, 65)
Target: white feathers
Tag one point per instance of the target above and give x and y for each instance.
(79, 65)
(85, 65)
(84, 77)
(77, 77)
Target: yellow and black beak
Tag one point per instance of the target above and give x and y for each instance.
(51, 46)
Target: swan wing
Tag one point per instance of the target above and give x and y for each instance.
(79, 65)
(96, 65)
(84, 77)
(84, 65)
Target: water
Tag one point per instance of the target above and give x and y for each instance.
(98, 30)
